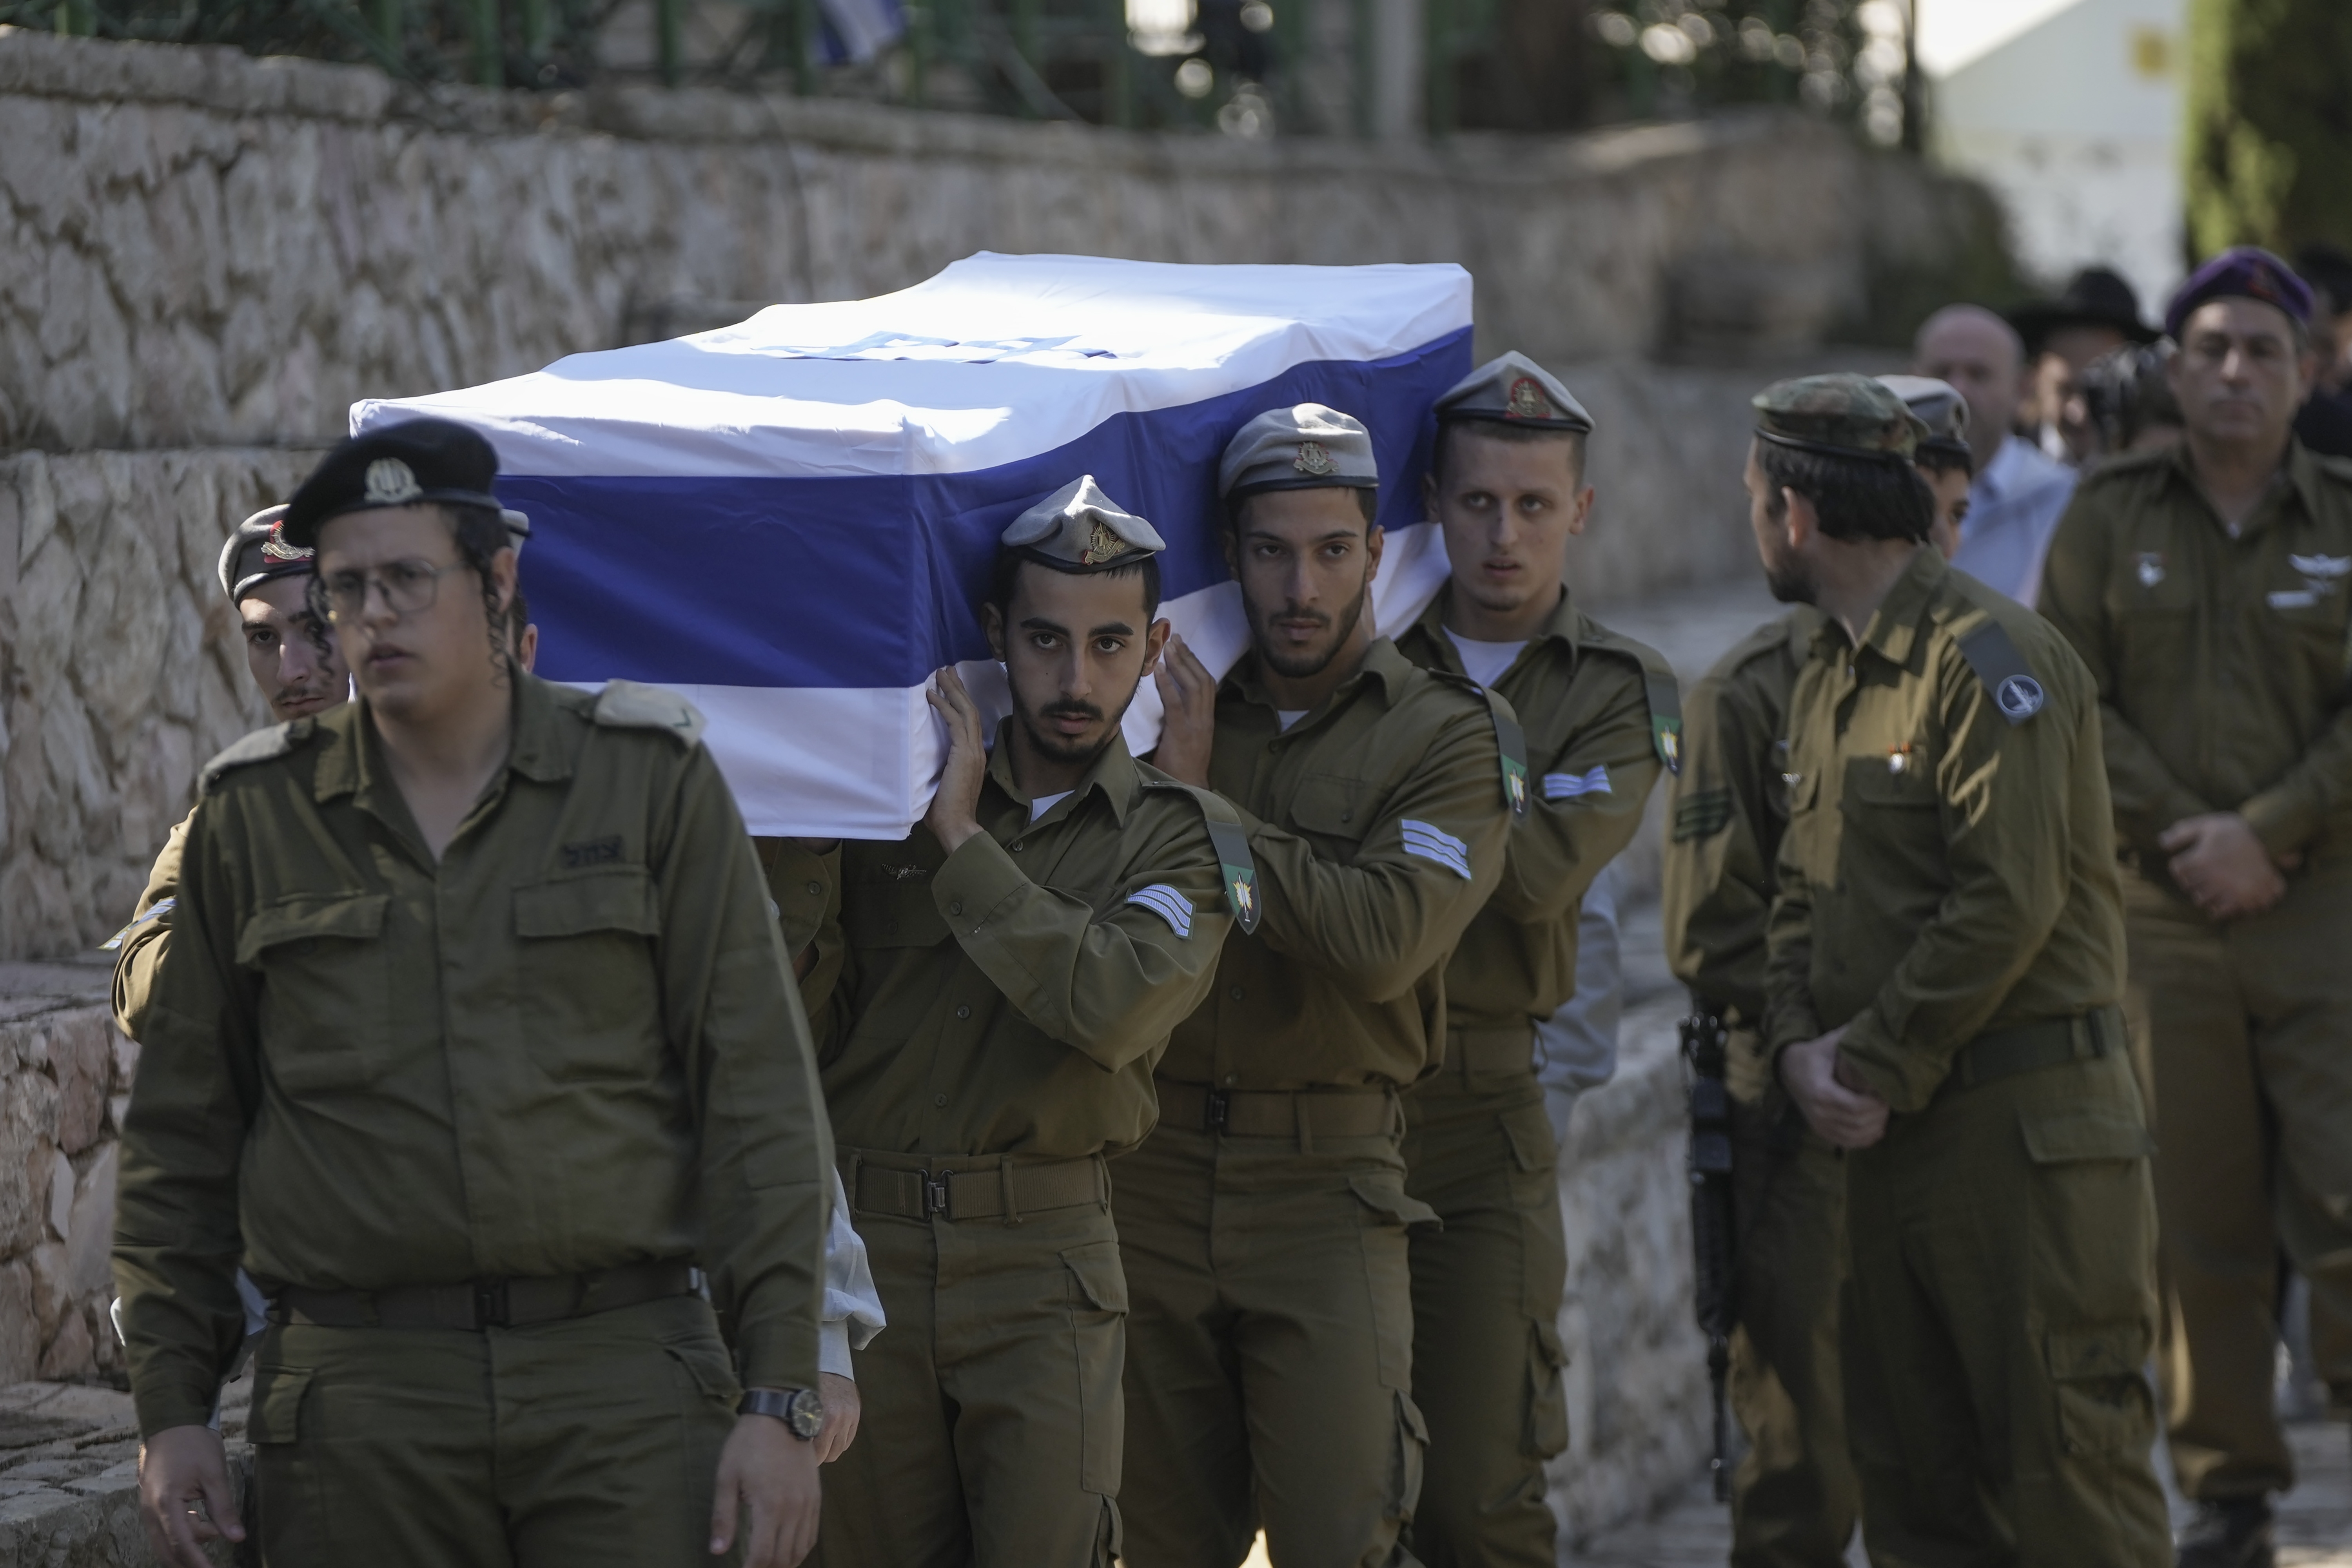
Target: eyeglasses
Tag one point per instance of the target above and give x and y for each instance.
(407, 585)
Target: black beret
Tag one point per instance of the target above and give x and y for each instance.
(418, 461)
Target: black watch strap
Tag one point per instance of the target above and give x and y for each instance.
(800, 1409)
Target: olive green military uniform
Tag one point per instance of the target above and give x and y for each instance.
(544, 1074)
(1947, 896)
(2221, 665)
(1477, 1149)
(1794, 1499)
(139, 948)
(1270, 1368)
(988, 1040)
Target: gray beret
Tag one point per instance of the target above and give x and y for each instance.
(1937, 405)
(1308, 447)
(258, 553)
(1514, 390)
(1079, 528)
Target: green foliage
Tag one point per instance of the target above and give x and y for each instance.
(1543, 64)
(2269, 133)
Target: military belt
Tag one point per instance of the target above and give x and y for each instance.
(1276, 1114)
(999, 1189)
(1488, 1052)
(2029, 1048)
(478, 1304)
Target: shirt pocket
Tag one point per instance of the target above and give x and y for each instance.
(893, 914)
(1334, 807)
(585, 955)
(326, 987)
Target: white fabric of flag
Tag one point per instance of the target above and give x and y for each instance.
(791, 521)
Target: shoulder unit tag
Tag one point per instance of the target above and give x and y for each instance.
(2004, 671)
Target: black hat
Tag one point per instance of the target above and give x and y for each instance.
(2094, 296)
(400, 464)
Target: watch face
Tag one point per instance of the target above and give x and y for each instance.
(806, 1414)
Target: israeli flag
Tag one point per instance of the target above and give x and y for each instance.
(790, 522)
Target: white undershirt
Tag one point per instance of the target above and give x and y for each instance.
(1485, 662)
(1045, 803)
(1291, 716)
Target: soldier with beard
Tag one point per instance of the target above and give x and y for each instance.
(990, 995)
(1264, 1222)
(1944, 966)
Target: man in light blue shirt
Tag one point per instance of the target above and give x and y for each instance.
(2019, 493)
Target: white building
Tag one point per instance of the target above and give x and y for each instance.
(2074, 122)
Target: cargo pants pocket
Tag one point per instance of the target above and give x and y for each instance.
(1547, 1423)
(1387, 1214)
(2105, 1406)
(294, 1525)
(1098, 1338)
(1411, 1448)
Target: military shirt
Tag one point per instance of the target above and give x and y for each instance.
(1378, 822)
(1726, 812)
(1013, 998)
(1581, 695)
(1946, 872)
(570, 1044)
(2220, 660)
(139, 948)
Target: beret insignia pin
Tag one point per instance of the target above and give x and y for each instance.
(1102, 545)
(1313, 460)
(1528, 401)
(274, 547)
(390, 482)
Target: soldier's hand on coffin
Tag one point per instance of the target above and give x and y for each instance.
(954, 814)
(2221, 866)
(1188, 696)
(1849, 1116)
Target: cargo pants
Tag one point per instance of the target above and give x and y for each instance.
(1999, 1312)
(1795, 1498)
(2248, 1028)
(585, 1442)
(1487, 1353)
(1269, 1369)
(991, 1427)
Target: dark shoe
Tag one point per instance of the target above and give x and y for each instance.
(2235, 1534)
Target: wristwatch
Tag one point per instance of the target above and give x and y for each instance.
(800, 1409)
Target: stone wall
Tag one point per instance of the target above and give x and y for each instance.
(65, 1078)
(207, 249)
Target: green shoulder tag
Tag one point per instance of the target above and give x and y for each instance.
(1665, 715)
(1237, 866)
(1512, 742)
(2004, 671)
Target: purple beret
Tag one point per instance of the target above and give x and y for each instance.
(2246, 272)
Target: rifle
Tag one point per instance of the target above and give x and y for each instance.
(1714, 1243)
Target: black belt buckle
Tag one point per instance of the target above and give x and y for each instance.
(490, 1304)
(935, 1192)
(1217, 1111)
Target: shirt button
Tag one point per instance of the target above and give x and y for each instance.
(814, 888)
(956, 907)
(1017, 847)
(940, 1100)
(1232, 1079)
(964, 1011)
(1236, 993)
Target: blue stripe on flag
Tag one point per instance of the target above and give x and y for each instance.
(871, 582)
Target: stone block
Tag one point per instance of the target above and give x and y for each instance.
(68, 1356)
(90, 1242)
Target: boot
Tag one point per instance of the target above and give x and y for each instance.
(2233, 1534)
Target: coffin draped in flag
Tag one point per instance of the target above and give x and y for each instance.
(792, 521)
